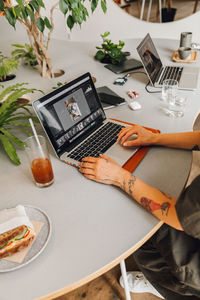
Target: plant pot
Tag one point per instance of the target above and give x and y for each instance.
(33, 64)
(8, 77)
(25, 99)
(168, 14)
(106, 60)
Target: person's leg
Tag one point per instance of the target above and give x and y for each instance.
(158, 273)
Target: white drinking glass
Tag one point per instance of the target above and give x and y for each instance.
(169, 90)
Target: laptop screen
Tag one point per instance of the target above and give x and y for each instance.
(150, 58)
(70, 113)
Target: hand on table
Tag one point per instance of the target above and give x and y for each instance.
(102, 169)
(144, 136)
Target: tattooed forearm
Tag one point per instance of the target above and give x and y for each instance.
(166, 195)
(124, 185)
(151, 206)
(195, 148)
(131, 184)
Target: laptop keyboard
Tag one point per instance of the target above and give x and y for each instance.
(171, 73)
(98, 143)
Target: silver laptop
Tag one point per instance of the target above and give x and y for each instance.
(75, 123)
(187, 77)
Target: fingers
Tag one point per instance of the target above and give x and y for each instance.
(89, 159)
(106, 158)
(123, 132)
(127, 135)
(86, 165)
(127, 132)
(134, 143)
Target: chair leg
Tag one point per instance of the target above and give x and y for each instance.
(160, 10)
(124, 275)
(142, 10)
(195, 6)
(139, 7)
(149, 10)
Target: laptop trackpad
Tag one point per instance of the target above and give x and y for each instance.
(189, 78)
(120, 154)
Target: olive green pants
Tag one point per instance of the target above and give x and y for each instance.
(159, 273)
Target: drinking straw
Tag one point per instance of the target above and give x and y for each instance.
(35, 134)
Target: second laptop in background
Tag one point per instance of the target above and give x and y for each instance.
(187, 77)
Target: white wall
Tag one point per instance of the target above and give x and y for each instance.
(118, 22)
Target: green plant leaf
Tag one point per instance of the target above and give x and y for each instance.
(105, 34)
(12, 137)
(1, 5)
(94, 4)
(40, 24)
(24, 13)
(103, 6)
(10, 17)
(30, 12)
(18, 45)
(10, 149)
(19, 124)
(63, 6)
(70, 22)
(20, 2)
(114, 52)
(100, 55)
(17, 11)
(11, 88)
(47, 23)
(121, 44)
(35, 5)
(40, 3)
(12, 98)
(7, 66)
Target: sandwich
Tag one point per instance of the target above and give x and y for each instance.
(16, 230)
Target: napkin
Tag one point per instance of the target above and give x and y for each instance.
(11, 218)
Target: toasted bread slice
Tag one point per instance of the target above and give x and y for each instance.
(16, 242)
(8, 235)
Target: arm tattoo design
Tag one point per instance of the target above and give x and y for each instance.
(131, 184)
(166, 195)
(195, 148)
(124, 185)
(151, 206)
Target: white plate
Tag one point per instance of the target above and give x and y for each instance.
(34, 214)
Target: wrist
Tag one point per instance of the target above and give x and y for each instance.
(156, 139)
(122, 178)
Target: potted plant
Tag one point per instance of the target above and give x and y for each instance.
(29, 14)
(26, 54)
(110, 52)
(7, 66)
(14, 114)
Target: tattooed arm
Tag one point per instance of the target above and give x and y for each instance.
(184, 140)
(107, 171)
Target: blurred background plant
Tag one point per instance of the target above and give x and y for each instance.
(8, 65)
(14, 114)
(26, 54)
(110, 52)
(30, 14)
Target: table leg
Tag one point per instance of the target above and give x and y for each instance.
(142, 10)
(124, 276)
(149, 10)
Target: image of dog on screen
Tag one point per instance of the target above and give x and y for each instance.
(73, 109)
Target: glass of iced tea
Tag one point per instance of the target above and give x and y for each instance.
(39, 161)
